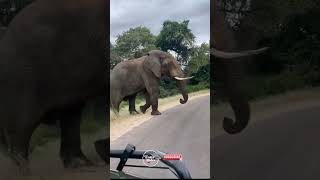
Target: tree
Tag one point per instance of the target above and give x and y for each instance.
(134, 43)
(177, 37)
(199, 57)
(114, 57)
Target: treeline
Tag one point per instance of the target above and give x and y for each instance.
(291, 29)
(175, 38)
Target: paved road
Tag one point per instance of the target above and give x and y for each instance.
(183, 129)
(286, 146)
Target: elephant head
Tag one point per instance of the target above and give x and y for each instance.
(163, 64)
(227, 72)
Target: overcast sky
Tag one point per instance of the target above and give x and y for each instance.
(152, 13)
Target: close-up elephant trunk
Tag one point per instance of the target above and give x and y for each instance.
(230, 77)
(228, 72)
(230, 84)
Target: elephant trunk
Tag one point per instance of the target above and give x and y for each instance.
(182, 87)
(241, 110)
(230, 79)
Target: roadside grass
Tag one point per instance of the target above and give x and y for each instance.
(265, 107)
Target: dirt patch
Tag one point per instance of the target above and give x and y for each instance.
(124, 122)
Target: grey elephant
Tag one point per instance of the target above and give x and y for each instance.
(52, 60)
(143, 75)
(226, 72)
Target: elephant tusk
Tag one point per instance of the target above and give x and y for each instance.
(181, 79)
(230, 55)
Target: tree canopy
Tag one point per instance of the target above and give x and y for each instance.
(134, 43)
(290, 29)
(177, 37)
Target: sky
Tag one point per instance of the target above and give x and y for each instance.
(125, 14)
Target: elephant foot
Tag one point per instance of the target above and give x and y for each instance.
(23, 164)
(155, 113)
(25, 170)
(77, 162)
(101, 148)
(134, 112)
(143, 109)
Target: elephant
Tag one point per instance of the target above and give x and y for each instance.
(143, 75)
(102, 147)
(52, 60)
(237, 100)
(226, 71)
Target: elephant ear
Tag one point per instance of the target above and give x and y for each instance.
(153, 64)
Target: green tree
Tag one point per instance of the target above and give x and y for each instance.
(114, 57)
(134, 43)
(199, 57)
(177, 37)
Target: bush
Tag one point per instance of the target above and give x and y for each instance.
(261, 86)
(201, 76)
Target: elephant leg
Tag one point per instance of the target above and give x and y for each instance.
(154, 95)
(18, 150)
(115, 102)
(70, 148)
(102, 148)
(117, 106)
(132, 104)
(148, 103)
(16, 138)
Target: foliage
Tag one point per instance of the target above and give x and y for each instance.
(261, 86)
(170, 89)
(295, 47)
(199, 58)
(114, 57)
(134, 43)
(292, 31)
(176, 37)
(202, 75)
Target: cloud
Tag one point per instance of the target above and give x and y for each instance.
(125, 14)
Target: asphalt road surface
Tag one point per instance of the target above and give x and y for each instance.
(285, 146)
(183, 129)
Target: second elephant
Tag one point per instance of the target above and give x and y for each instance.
(143, 75)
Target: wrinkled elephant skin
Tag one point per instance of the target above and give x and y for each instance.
(52, 60)
(130, 77)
